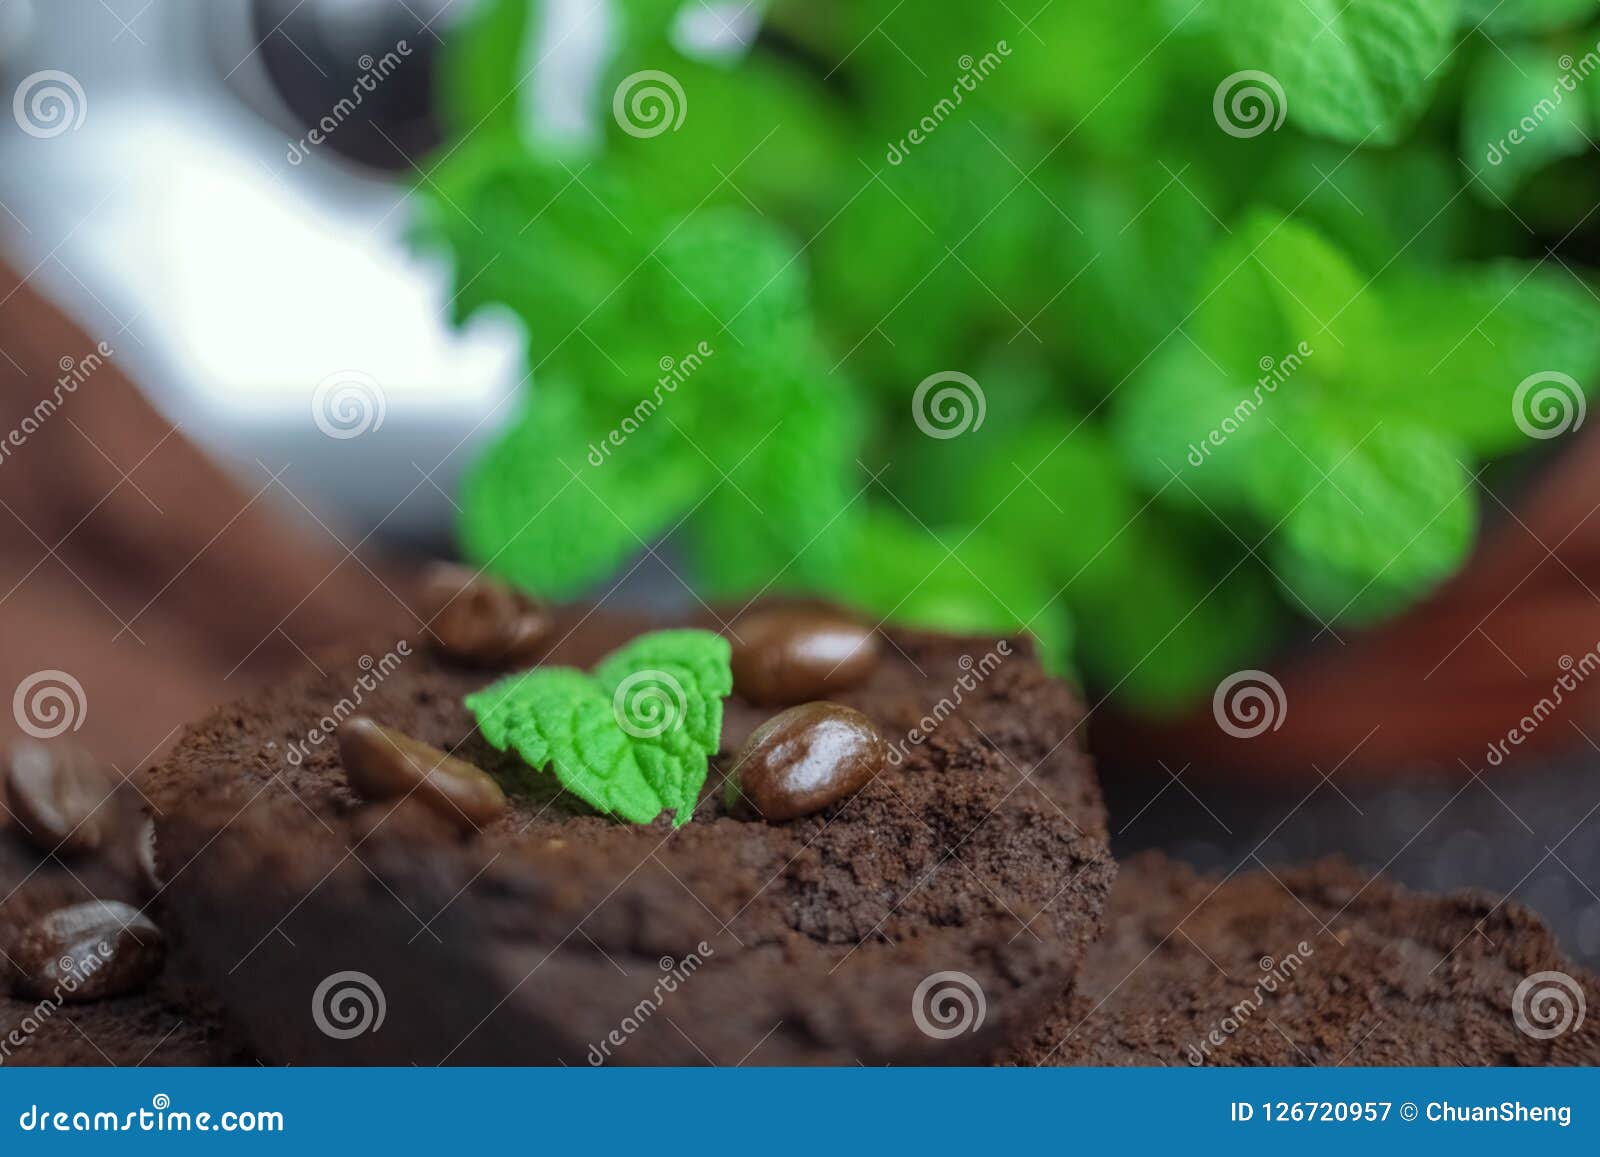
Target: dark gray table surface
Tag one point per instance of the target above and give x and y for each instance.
(1532, 832)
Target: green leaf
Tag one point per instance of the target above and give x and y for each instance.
(478, 77)
(1063, 475)
(1177, 621)
(724, 271)
(786, 435)
(1455, 345)
(1525, 15)
(1367, 519)
(1149, 622)
(553, 506)
(1358, 71)
(1518, 117)
(633, 738)
(1103, 75)
(955, 579)
(556, 239)
(1382, 207)
(1186, 430)
(935, 249)
(755, 130)
(1277, 287)
(1123, 284)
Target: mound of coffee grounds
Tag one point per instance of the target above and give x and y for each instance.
(157, 1026)
(1316, 965)
(334, 930)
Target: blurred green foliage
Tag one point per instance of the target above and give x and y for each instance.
(1227, 373)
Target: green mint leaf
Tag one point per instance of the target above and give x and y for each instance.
(1179, 620)
(1148, 622)
(1455, 345)
(553, 506)
(631, 739)
(1518, 117)
(1273, 285)
(1368, 519)
(787, 499)
(1129, 270)
(959, 580)
(478, 77)
(1525, 15)
(918, 263)
(759, 122)
(1187, 431)
(1384, 207)
(647, 22)
(725, 272)
(1034, 479)
(554, 238)
(1358, 71)
(1121, 73)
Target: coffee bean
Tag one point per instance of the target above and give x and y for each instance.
(481, 620)
(145, 853)
(88, 952)
(59, 795)
(785, 655)
(803, 759)
(384, 764)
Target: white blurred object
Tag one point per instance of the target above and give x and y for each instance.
(229, 283)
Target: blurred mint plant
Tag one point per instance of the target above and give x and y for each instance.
(1146, 326)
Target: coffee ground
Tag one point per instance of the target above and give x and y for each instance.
(160, 1026)
(561, 936)
(1315, 965)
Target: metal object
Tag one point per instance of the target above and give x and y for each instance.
(244, 290)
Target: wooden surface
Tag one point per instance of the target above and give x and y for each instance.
(135, 565)
(1453, 676)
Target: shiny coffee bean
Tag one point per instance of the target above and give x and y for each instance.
(481, 620)
(59, 795)
(88, 952)
(786, 655)
(383, 764)
(803, 759)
